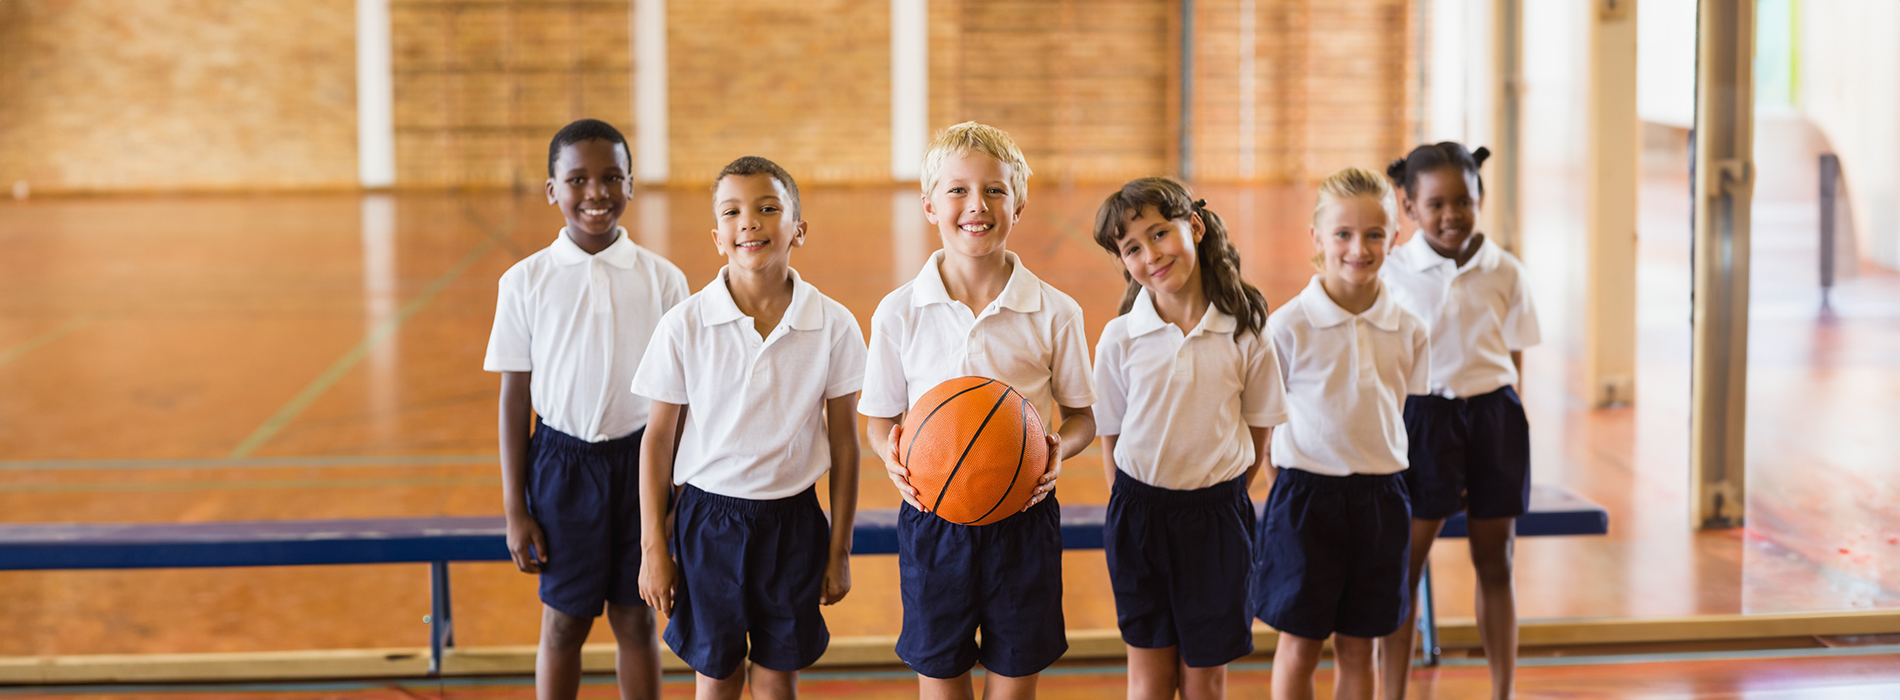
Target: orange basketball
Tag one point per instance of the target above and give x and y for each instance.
(975, 448)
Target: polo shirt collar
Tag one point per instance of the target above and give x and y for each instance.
(1323, 312)
(1418, 255)
(805, 313)
(1022, 294)
(1143, 319)
(622, 253)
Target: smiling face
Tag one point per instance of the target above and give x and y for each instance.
(973, 205)
(756, 229)
(1160, 253)
(590, 186)
(1445, 207)
(1352, 233)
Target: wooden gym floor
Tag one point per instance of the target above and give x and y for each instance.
(193, 358)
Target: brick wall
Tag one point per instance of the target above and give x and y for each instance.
(145, 95)
(482, 85)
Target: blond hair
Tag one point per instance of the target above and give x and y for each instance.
(1347, 184)
(971, 137)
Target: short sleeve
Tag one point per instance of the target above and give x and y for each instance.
(1520, 320)
(886, 392)
(846, 373)
(1263, 388)
(662, 373)
(1418, 376)
(509, 343)
(1111, 383)
(1069, 365)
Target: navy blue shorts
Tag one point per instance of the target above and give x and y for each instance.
(586, 498)
(1004, 578)
(1180, 562)
(1332, 555)
(1468, 454)
(748, 569)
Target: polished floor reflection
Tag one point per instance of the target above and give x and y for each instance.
(182, 359)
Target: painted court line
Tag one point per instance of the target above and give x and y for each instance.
(34, 465)
(43, 339)
(349, 360)
(256, 485)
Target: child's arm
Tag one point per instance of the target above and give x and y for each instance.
(526, 543)
(841, 423)
(884, 434)
(657, 573)
(1517, 361)
(1108, 460)
(1077, 431)
(1262, 444)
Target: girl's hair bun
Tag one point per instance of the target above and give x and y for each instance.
(1481, 154)
(1200, 204)
(1396, 169)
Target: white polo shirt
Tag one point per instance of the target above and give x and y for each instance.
(581, 323)
(1030, 338)
(1476, 314)
(1182, 404)
(1347, 378)
(755, 407)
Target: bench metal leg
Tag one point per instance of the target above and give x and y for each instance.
(1427, 619)
(441, 625)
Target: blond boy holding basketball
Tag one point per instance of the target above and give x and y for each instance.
(975, 309)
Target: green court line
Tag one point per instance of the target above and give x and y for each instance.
(41, 340)
(256, 485)
(349, 360)
(31, 465)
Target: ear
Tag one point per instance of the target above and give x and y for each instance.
(551, 190)
(716, 244)
(1197, 226)
(798, 235)
(1016, 215)
(930, 210)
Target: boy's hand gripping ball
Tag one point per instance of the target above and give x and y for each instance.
(975, 449)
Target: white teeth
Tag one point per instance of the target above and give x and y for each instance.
(595, 212)
(977, 228)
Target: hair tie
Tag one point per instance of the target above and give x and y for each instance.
(1200, 204)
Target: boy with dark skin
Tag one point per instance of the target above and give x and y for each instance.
(578, 539)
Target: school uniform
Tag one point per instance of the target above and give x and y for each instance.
(749, 536)
(580, 324)
(1179, 531)
(1470, 445)
(1336, 535)
(1004, 578)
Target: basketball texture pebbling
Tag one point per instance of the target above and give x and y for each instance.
(975, 448)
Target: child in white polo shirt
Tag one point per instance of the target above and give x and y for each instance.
(756, 377)
(1188, 389)
(976, 310)
(1471, 446)
(571, 323)
(1332, 544)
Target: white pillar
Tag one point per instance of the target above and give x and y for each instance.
(910, 87)
(375, 96)
(650, 103)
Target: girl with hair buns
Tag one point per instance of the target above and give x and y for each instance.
(1187, 391)
(1470, 447)
(1332, 546)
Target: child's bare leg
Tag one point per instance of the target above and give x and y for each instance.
(945, 688)
(709, 688)
(1153, 674)
(637, 652)
(1394, 651)
(768, 684)
(1497, 599)
(1352, 667)
(557, 665)
(1203, 683)
(1295, 658)
(1000, 687)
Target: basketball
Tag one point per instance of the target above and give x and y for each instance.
(975, 448)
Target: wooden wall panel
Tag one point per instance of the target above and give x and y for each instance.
(148, 95)
(805, 84)
(481, 85)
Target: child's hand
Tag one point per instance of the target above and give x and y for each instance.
(1047, 484)
(657, 577)
(524, 533)
(895, 468)
(837, 580)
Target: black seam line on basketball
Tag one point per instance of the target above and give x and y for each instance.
(966, 452)
(933, 414)
(1019, 458)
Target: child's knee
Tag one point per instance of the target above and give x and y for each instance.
(1493, 565)
(563, 632)
(632, 624)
